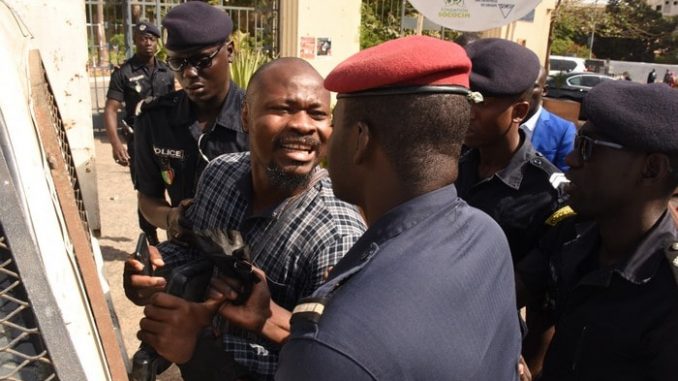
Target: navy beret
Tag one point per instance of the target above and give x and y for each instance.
(638, 116)
(195, 25)
(146, 27)
(501, 67)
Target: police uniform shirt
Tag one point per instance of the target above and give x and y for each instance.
(171, 149)
(423, 295)
(616, 323)
(294, 243)
(134, 81)
(520, 197)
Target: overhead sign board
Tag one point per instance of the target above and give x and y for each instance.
(474, 15)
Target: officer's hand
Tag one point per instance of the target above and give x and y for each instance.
(171, 325)
(138, 287)
(120, 154)
(174, 228)
(251, 315)
(523, 370)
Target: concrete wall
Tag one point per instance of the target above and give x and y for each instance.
(639, 70)
(306, 24)
(666, 7)
(58, 29)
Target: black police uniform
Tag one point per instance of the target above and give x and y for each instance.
(130, 84)
(134, 82)
(612, 323)
(172, 150)
(520, 197)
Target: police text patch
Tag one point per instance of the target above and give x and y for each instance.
(168, 153)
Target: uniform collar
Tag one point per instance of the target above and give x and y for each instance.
(396, 221)
(641, 265)
(512, 174)
(229, 116)
(136, 63)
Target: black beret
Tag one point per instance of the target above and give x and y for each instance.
(500, 67)
(195, 25)
(638, 116)
(146, 27)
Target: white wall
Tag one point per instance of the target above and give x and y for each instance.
(304, 22)
(59, 31)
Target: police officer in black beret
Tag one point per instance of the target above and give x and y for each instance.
(142, 76)
(611, 272)
(178, 134)
(502, 174)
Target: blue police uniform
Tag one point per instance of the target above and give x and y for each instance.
(413, 300)
(172, 150)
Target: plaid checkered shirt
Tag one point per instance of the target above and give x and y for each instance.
(294, 243)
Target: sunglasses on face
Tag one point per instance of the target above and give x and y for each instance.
(583, 145)
(198, 61)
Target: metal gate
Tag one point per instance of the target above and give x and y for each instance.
(110, 23)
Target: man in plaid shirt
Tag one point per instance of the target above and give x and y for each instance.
(284, 207)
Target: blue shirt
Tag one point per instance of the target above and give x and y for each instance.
(553, 136)
(294, 243)
(426, 294)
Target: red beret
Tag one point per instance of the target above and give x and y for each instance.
(414, 61)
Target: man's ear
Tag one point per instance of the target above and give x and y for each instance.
(520, 110)
(657, 167)
(230, 49)
(244, 116)
(362, 143)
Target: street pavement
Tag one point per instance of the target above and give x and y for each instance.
(119, 233)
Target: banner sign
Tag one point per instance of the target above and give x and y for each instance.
(474, 15)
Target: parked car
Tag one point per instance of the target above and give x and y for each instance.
(573, 86)
(564, 64)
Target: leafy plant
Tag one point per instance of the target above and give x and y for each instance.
(247, 59)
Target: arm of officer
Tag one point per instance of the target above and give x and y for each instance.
(159, 212)
(308, 359)
(531, 276)
(258, 314)
(120, 154)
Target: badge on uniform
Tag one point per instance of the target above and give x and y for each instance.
(167, 172)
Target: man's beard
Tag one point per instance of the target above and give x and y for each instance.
(287, 182)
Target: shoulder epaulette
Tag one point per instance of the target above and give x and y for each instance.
(557, 179)
(541, 162)
(559, 215)
(672, 256)
(310, 309)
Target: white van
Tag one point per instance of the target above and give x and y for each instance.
(564, 64)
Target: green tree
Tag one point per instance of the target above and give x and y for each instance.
(375, 26)
(627, 30)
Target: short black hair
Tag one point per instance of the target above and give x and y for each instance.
(420, 133)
